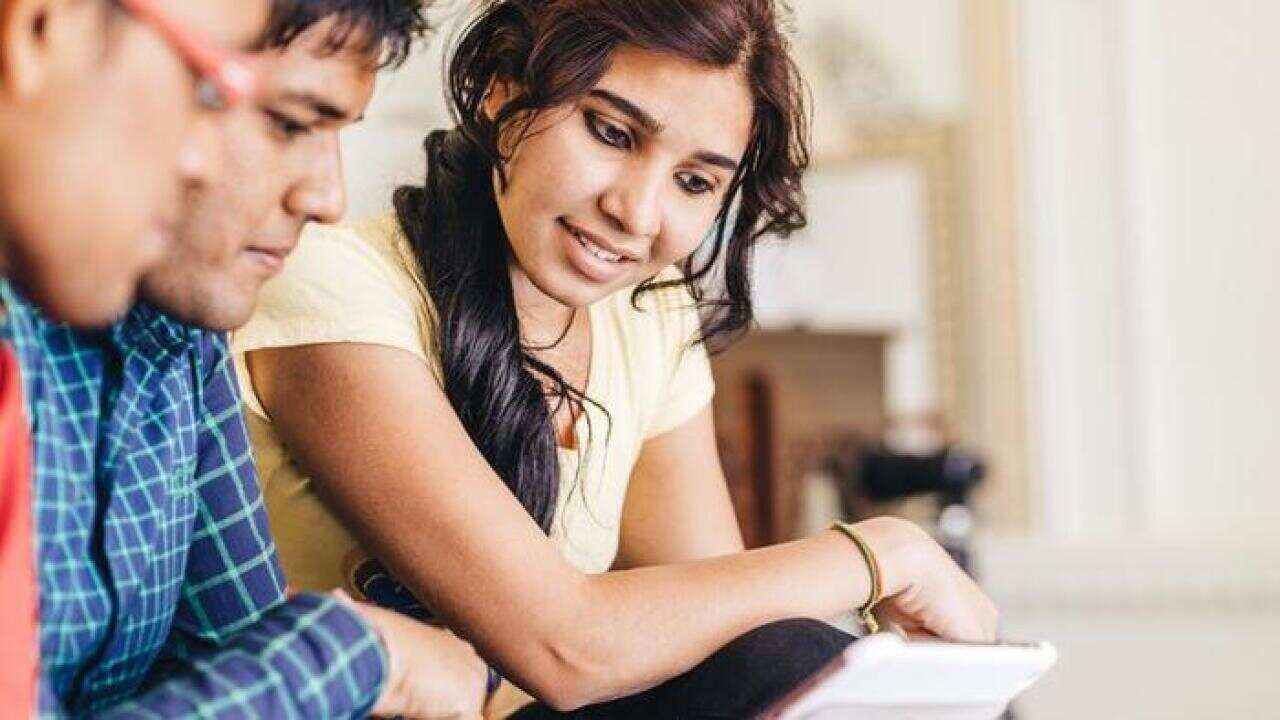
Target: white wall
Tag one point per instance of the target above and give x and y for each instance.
(862, 262)
(923, 42)
(1149, 130)
(1152, 225)
(1206, 201)
(386, 149)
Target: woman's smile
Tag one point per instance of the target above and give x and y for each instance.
(591, 258)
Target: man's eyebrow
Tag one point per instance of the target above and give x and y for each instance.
(322, 107)
(630, 109)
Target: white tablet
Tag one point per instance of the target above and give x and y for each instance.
(884, 677)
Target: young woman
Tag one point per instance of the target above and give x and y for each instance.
(500, 397)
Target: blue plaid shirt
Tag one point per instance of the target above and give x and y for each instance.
(160, 591)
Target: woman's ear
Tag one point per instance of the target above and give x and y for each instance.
(500, 92)
(496, 97)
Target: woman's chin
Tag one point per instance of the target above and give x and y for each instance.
(566, 288)
(577, 294)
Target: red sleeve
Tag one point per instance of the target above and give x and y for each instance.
(19, 653)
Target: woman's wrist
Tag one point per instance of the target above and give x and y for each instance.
(875, 594)
(896, 544)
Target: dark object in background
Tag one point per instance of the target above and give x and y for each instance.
(867, 475)
(887, 475)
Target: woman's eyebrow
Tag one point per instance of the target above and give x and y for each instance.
(630, 109)
(714, 158)
(651, 125)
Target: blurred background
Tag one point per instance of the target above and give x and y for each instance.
(1033, 309)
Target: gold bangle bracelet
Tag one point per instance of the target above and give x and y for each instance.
(873, 568)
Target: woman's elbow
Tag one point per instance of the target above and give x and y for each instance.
(561, 697)
(568, 679)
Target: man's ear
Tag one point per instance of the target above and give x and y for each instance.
(24, 46)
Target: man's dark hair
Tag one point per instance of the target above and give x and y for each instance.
(386, 29)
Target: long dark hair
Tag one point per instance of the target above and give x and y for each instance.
(555, 51)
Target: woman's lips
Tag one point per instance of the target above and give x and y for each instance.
(591, 260)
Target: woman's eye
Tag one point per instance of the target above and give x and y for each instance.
(694, 184)
(608, 133)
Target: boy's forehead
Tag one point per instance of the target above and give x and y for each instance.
(309, 67)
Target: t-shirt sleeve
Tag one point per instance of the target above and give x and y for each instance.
(340, 285)
(689, 386)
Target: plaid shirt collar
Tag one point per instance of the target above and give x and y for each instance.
(143, 329)
(150, 332)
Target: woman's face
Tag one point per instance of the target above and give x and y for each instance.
(607, 192)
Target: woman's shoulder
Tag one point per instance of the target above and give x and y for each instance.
(344, 283)
(660, 351)
(370, 246)
(377, 236)
(664, 301)
(657, 318)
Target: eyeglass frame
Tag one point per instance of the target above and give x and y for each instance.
(226, 77)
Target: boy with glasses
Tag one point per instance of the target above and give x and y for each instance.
(86, 196)
(202, 623)
(104, 115)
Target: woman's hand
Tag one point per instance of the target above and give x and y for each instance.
(925, 591)
(433, 674)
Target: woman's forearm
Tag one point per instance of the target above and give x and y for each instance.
(404, 477)
(638, 628)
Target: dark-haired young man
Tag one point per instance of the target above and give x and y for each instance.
(154, 511)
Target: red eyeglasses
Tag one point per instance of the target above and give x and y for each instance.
(226, 77)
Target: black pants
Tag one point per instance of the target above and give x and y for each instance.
(740, 680)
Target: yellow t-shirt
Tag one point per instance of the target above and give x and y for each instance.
(361, 285)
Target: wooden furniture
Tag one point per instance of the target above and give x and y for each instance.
(782, 399)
